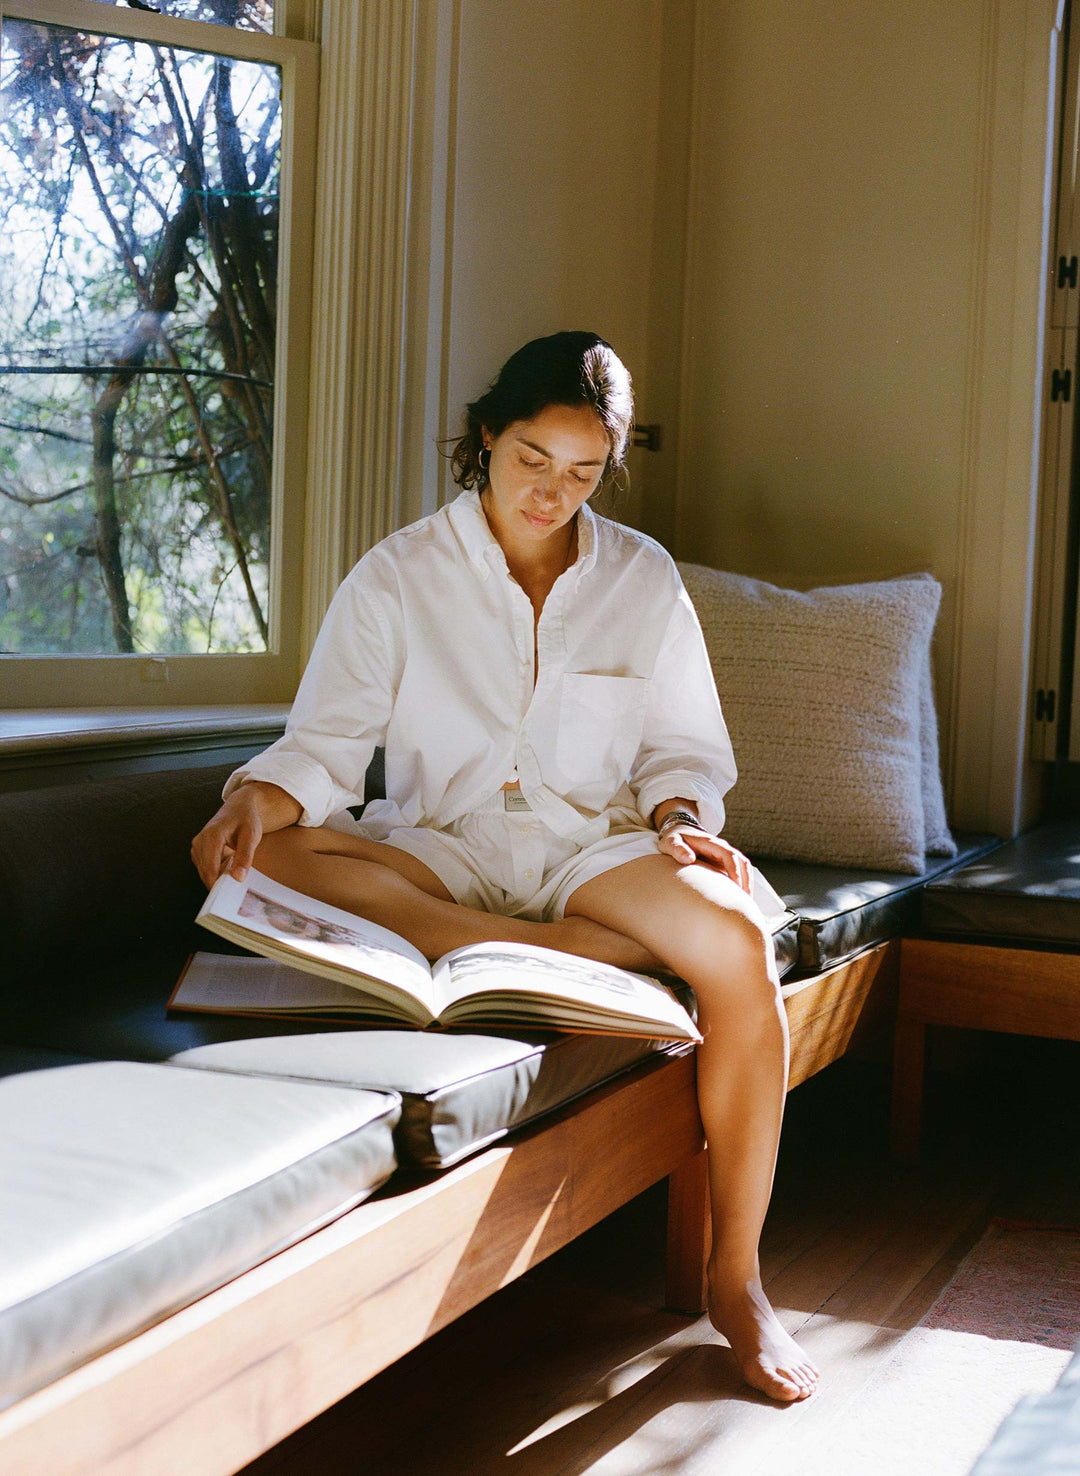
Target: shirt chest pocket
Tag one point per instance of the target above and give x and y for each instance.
(600, 723)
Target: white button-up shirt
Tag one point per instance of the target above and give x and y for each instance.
(427, 650)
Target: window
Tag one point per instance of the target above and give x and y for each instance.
(156, 187)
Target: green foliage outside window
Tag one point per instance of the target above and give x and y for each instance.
(138, 298)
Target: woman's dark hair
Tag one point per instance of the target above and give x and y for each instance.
(563, 369)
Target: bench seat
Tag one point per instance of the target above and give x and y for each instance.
(131, 1190)
(843, 911)
(1027, 890)
(460, 1091)
(998, 949)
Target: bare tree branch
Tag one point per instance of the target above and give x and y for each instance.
(184, 463)
(44, 430)
(74, 112)
(221, 486)
(135, 369)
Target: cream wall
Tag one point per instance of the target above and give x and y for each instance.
(833, 218)
(861, 344)
(816, 234)
(551, 189)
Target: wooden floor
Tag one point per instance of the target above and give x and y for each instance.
(574, 1369)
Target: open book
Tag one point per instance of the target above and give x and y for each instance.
(330, 963)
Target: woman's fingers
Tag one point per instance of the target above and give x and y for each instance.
(687, 846)
(202, 856)
(209, 851)
(674, 844)
(228, 842)
(247, 842)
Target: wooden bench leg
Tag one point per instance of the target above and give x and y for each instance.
(909, 1059)
(689, 1230)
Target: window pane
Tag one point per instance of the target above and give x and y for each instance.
(248, 15)
(138, 267)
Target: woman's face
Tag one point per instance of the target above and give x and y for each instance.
(542, 470)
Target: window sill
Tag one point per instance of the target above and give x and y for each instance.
(35, 729)
(70, 744)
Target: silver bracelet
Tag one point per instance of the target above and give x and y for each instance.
(675, 818)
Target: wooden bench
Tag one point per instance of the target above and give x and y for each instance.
(225, 1379)
(1001, 952)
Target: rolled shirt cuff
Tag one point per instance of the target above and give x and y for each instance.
(682, 784)
(303, 778)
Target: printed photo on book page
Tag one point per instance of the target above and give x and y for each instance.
(496, 968)
(328, 934)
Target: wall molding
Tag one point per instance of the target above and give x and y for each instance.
(688, 356)
(429, 417)
(990, 782)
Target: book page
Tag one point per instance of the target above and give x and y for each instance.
(222, 983)
(502, 970)
(266, 916)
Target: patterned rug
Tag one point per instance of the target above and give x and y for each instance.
(1002, 1328)
(1020, 1283)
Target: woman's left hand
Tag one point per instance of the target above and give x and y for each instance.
(687, 844)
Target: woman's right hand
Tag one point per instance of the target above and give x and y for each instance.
(229, 840)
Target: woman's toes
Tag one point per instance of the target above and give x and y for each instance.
(778, 1386)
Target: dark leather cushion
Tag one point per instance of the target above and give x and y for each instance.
(16, 1059)
(786, 945)
(130, 1190)
(461, 1091)
(1027, 889)
(113, 1004)
(107, 862)
(844, 911)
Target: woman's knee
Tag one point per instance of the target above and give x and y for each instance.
(744, 937)
(734, 955)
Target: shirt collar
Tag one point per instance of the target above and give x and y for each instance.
(469, 522)
(586, 540)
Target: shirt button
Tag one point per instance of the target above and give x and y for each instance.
(529, 875)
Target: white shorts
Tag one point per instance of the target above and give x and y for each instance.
(511, 863)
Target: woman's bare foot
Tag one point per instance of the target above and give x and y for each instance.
(590, 939)
(771, 1360)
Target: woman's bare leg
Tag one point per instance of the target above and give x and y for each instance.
(390, 887)
(708, 932)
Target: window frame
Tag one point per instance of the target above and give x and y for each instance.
(150, 680)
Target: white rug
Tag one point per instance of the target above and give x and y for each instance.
(1003, 1327)
(935, 1405)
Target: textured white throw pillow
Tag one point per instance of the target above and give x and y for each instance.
(939, 840)
(828, 699)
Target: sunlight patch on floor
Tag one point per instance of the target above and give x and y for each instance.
(934, 1406)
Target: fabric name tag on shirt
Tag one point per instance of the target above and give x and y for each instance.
(513, 799)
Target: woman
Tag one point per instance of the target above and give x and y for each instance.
(555, 763)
